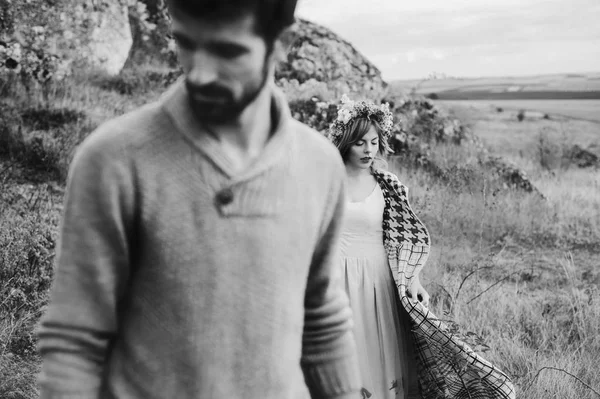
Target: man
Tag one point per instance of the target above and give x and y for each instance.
(198, 243)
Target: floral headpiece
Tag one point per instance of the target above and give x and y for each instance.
(350, 110)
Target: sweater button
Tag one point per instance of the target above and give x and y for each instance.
(225, 196)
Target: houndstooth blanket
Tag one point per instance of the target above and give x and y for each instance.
(447, 367)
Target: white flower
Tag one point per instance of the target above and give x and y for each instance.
(344, 115)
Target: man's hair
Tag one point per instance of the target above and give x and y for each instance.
(355, 132)
(272, 17)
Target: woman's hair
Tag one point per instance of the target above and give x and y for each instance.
(355, 132)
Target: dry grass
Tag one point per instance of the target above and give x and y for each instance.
(520, 272)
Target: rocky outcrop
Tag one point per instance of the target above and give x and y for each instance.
(110, 40)
(46, 40)
(316, 54)
(583, 158)
(511, 175)
(152, 40)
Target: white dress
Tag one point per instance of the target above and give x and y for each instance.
(372, 292)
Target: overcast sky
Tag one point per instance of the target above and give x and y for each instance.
(466, 38)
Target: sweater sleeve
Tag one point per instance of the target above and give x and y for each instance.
(92, 268)
(329, 357)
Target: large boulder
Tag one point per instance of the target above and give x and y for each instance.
(152, 40)
(48, 39)
(110, 39)
(316, 56)
(584, 158)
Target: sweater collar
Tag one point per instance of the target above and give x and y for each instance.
(175, 103)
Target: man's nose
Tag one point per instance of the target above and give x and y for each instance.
(204, 69)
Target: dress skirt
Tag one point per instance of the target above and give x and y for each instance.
(378, 324)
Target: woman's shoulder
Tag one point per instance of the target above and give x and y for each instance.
(387, 176)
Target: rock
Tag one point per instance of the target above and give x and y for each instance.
(317, 54)
(6, 19)
(583, 158)
(512, 176)
(155, 45)
(111, 39)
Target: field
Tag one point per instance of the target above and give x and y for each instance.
(522, 273)
(557, 109)
(546, 86)
(518, 273)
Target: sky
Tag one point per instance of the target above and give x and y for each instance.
(466, 38)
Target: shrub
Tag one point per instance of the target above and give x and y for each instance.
(49, 118)
(314, 113)
(41, 138)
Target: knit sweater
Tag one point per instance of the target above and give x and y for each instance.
(177, 278)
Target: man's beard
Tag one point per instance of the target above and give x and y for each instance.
(224, 108)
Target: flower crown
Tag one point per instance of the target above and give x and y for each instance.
(350, 110)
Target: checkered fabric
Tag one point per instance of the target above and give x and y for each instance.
(446, 366)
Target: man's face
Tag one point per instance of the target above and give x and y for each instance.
(226, 64)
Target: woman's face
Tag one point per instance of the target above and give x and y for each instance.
(362, 153)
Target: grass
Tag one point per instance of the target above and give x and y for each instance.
(519, 141)
(517, 271)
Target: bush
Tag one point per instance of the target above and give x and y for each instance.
(49, 118)
(550, 152)
(422, 122)
(314, 113)
(42, 139)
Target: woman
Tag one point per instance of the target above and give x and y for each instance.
(361, 134)
(405, 351)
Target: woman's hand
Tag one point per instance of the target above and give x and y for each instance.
(416, 292)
